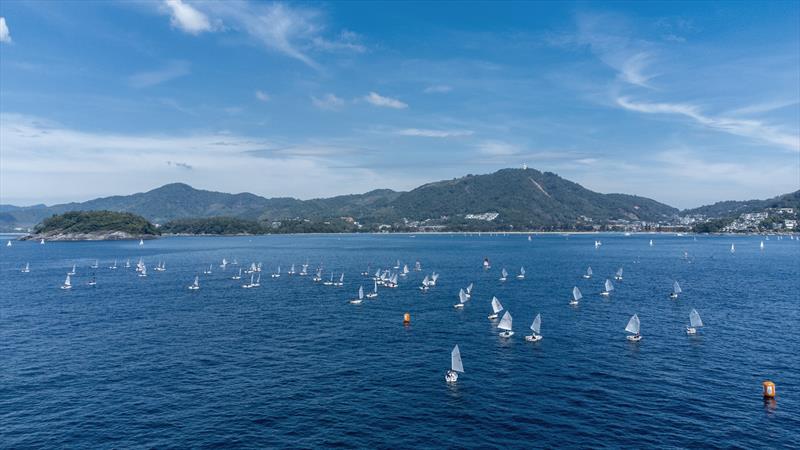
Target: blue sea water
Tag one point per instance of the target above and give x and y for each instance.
(145, 362)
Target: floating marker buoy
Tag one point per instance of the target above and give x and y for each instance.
(406, 319)
(769, 389)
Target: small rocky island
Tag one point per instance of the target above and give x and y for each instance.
(94, 226)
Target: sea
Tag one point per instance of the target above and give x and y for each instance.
(144, 362)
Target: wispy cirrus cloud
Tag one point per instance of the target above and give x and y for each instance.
(387, 102)
(187, 18)
(750, 128)
(433, 133)
(328, 102)
(174, 69)
(292, 30)
(438, 89)
(5, 34)
(262, 96)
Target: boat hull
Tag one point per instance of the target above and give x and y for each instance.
(533, 338)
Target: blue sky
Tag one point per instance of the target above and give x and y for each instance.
(684, 102)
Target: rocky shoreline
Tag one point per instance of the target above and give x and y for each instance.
(94, 236)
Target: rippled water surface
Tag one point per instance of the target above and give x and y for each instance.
(145, 362)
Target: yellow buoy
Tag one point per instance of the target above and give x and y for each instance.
(406, 319)
(769, 389)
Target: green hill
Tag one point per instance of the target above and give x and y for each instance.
(729, 209)
(82, 224)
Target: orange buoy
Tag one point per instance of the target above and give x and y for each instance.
(406, 319)
(769, 389)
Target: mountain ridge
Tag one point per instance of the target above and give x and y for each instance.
(508, 199)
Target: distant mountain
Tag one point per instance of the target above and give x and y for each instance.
(728, 209)
(525, 198)
(507, 199)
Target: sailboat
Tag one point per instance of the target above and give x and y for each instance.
(330, 282)
(95, 265)
(113, 267)
(633, 327)
(72, 272)
(503, 275)
(733, 248)
(162, 267)
(468, 291)
(597, 244)
(304, 270)
(141, 241)
(291, 270)
(8, 244)
(341, 281)
(143, 271)
(588, 273)
(239, 276)
(391, 282)
(434, 277)
(224, 264)
(92, 281)
(505, 325)
(486, 264)
(496, 308)
(374, 292)
(196, 285)
(67, 283)
(521, 275)
(455, 366)
(235, 262)
(208, 272)
(462, 298)
(396, 265)
(405, 271)
(608, 288)
(277, 274)
(618, 276)
(676, 289)
(41, 241)
(27, 268)
(694, 322)
(258, 281)
(251, 283)
(426, 283)
(357, 301)
(318, 276)
(651, 242)
(535, 327)
(529, 238)
(761, 246)
(128, 264)
(417, 267)
(576, 296)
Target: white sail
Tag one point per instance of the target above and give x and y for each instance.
(733, 248)
(462, 296)
(68, 281)
(505, 322)
(651, 242)
(361, 292)
(619, 272)
(375, 288)
(589, 271)
(27, 268)
(609, 286)
(676, 288)
(141, 241)
(455, 360)
(496, 305)
(576, 294)
(425, 281)
(196, 283)
(694, 319)
(504, 273)
(341, 278)
(761, 245)
(633, 325)
(537, 324)
(522, 271)
(469, 289)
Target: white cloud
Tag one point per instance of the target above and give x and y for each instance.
(5, 35)
(40, 157)
(328, 101)
(422, 132)
(187, 18)
(438, 89)
(387, 102)
(498, 148)
(262, 96)
(750, 128)
(174, 69)
(289, 29)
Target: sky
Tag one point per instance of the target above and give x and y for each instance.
(687, 103)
